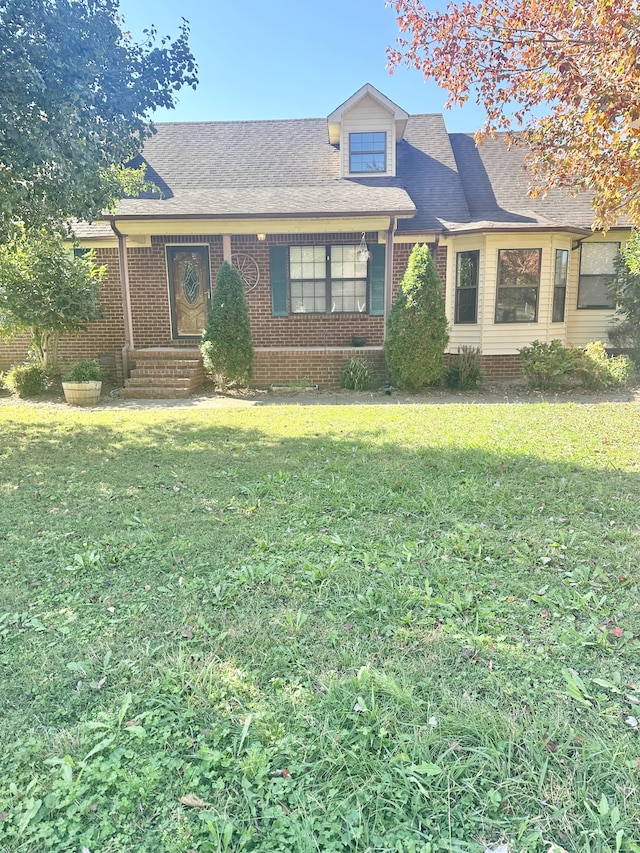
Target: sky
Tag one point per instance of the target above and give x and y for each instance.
(274, 59)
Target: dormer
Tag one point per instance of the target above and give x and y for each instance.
(367, 127)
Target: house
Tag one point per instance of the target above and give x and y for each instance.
(320, 216)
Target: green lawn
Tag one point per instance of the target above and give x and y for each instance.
(358, 628)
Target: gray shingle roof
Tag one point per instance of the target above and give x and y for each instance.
(495, 186)
(289, 168)
(255, 168)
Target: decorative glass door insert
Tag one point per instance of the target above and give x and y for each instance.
(189, 285)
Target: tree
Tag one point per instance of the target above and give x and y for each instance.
(76, 94)
(566, 72)
(625, 293)
(226, 343)
(46, 291)
(417, 329)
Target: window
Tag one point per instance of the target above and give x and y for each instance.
(348, 280)
(560, 285)
(308, 279)
(467, 269)
(367, 152)
(326, 280)
(597, 268)
(518, 285)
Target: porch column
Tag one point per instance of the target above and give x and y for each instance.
(226, 248)
(126, 298)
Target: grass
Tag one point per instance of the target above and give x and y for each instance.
(391, 628)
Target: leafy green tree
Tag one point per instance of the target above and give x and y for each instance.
(227, 350)
(625, 292)
(45, 291)
(417, 329)
(76, 94)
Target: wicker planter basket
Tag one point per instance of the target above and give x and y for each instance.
(82, 393)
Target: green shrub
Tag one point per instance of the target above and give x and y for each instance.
(548, 366)
(357, 375)
(624, 290)
(27, 380)
(596, 370)
(226, 346)
(417, 330)
(465, 371)
(87, 370)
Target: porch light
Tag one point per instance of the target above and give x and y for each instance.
(261, 237)
(362, 253)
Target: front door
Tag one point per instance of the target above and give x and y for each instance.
(189, 287)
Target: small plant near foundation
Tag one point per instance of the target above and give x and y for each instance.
(357, 375)
(465, 371)
(549, 366)
(597, 370)
(27, 380)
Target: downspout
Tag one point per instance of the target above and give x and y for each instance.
(126, 298)
(388, 274)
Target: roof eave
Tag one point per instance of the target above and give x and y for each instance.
(520, 229)
(398, 213)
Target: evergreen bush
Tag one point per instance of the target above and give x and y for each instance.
(417, 330)
(625, 293)
(226, 346)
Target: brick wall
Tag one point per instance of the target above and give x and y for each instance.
(317, 366)
(152, 319)
(502, 366)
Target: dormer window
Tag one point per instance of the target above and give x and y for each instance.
(367, 152)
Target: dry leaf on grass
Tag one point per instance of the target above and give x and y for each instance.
(193, 801)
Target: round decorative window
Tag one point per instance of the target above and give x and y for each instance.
(248, 269)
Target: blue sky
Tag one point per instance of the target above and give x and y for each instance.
(288, 58)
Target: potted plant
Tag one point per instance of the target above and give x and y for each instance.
(82, 383)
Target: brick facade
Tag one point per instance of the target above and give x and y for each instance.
(317, 366)
(313, 347)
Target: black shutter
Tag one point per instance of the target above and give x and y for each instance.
(278, 262)
(376, 279)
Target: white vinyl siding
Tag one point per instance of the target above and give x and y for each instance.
(368, 116)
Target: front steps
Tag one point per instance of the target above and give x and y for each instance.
(164, 373)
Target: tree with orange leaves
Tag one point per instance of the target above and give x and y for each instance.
(565, 73)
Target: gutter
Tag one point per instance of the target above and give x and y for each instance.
(388, 275)
(126, 297)
(374, 214)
